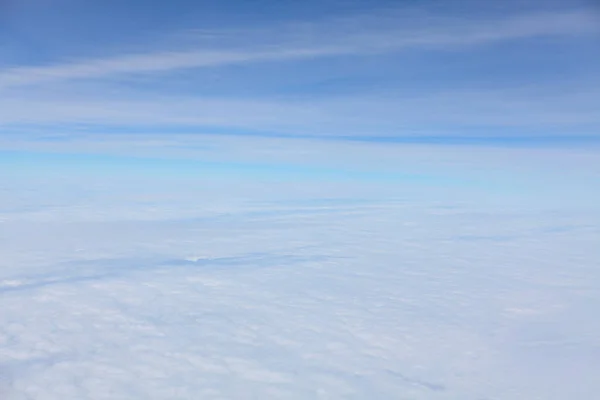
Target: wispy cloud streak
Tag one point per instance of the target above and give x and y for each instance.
(323, 40)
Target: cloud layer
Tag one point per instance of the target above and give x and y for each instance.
(158, 289)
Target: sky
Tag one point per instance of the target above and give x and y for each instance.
(299, 199)
(399, 70)
(226, 82)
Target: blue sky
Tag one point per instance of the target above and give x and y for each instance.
(380, 91)
(359, 69)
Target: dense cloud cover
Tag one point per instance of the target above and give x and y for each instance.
(122, 290)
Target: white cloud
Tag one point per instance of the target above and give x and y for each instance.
(290, 297)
